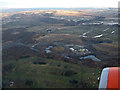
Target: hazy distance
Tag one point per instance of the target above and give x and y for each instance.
(58, 3)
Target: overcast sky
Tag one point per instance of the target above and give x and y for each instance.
(57, 3)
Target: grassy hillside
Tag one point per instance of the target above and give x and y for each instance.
(29, 72)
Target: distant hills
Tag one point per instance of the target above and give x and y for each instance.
(13, 10)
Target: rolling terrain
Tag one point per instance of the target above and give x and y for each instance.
(58, 48)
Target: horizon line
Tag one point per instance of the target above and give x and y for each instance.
(53, 7)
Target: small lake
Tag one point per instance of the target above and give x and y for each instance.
(98, 36)
(90, 57)
(47, 50)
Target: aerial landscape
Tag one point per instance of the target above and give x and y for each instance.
(58, 47)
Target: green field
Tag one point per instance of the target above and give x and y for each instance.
(55, 73)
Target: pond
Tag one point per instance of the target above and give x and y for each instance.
(90, 57)
(98, 36)
(47, 50)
